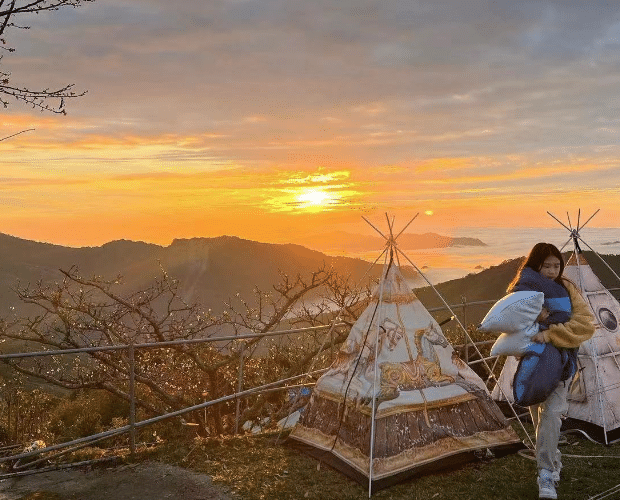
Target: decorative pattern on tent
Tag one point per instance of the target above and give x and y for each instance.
(430, 407)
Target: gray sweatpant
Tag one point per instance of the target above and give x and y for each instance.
(547, 421)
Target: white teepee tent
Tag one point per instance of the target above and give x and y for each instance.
(398, 400)
(594, 395)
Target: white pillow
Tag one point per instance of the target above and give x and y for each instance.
(513, 313)
(514, 316)
(514, 344)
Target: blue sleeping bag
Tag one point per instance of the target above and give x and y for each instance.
(539, 372)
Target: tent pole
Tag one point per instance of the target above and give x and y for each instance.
(601, 258)
(390, 224)
(564, 225)
(577, 251)
(374, 382)
(403, 229)
(567, 242)
(371, 225)
(590, 218)
(576, 254)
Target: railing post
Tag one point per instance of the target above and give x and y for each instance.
(132, 402)
(331, 346)
(8, 430)
(239, 386)
(16, 411)
(464, 305)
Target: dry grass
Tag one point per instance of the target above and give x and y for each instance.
(42, 495)
(255, 467)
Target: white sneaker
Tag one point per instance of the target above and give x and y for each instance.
(546, 487)
(555, 475)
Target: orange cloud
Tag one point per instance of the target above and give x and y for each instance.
(317, 177)
(14, 123)
(435, 165)
(534, 173)
(157, 187)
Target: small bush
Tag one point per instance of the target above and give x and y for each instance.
(86, 413)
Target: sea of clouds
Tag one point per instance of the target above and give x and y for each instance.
(443, 264)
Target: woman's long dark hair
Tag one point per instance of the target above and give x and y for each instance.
(536, 259)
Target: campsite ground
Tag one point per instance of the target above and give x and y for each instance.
(140, 481)
(256, 468)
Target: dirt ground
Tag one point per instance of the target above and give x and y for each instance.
(144, 481)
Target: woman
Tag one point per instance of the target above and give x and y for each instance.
(566, 322)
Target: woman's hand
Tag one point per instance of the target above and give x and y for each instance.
(544, 314)
(539, 337)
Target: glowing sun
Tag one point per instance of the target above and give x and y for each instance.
(313, 197)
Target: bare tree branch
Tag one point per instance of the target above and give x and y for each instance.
(13, 135)
(53, 100)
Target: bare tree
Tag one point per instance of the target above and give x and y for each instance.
(336, 300)
(87, 312)
(11, 14)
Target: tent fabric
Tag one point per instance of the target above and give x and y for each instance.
(594, 396)
(429, 405)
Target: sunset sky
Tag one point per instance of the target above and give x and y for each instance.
(269, 119)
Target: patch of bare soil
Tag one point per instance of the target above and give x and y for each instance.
(143, 481)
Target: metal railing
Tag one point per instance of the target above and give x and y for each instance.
(130, 348)
(133, 425)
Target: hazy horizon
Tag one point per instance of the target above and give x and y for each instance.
(443, 264)
(269, 119)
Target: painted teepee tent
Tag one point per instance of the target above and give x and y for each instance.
(398, 400)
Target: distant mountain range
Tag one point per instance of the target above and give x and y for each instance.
(211, 270)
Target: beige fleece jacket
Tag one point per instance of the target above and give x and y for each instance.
(578, 329)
